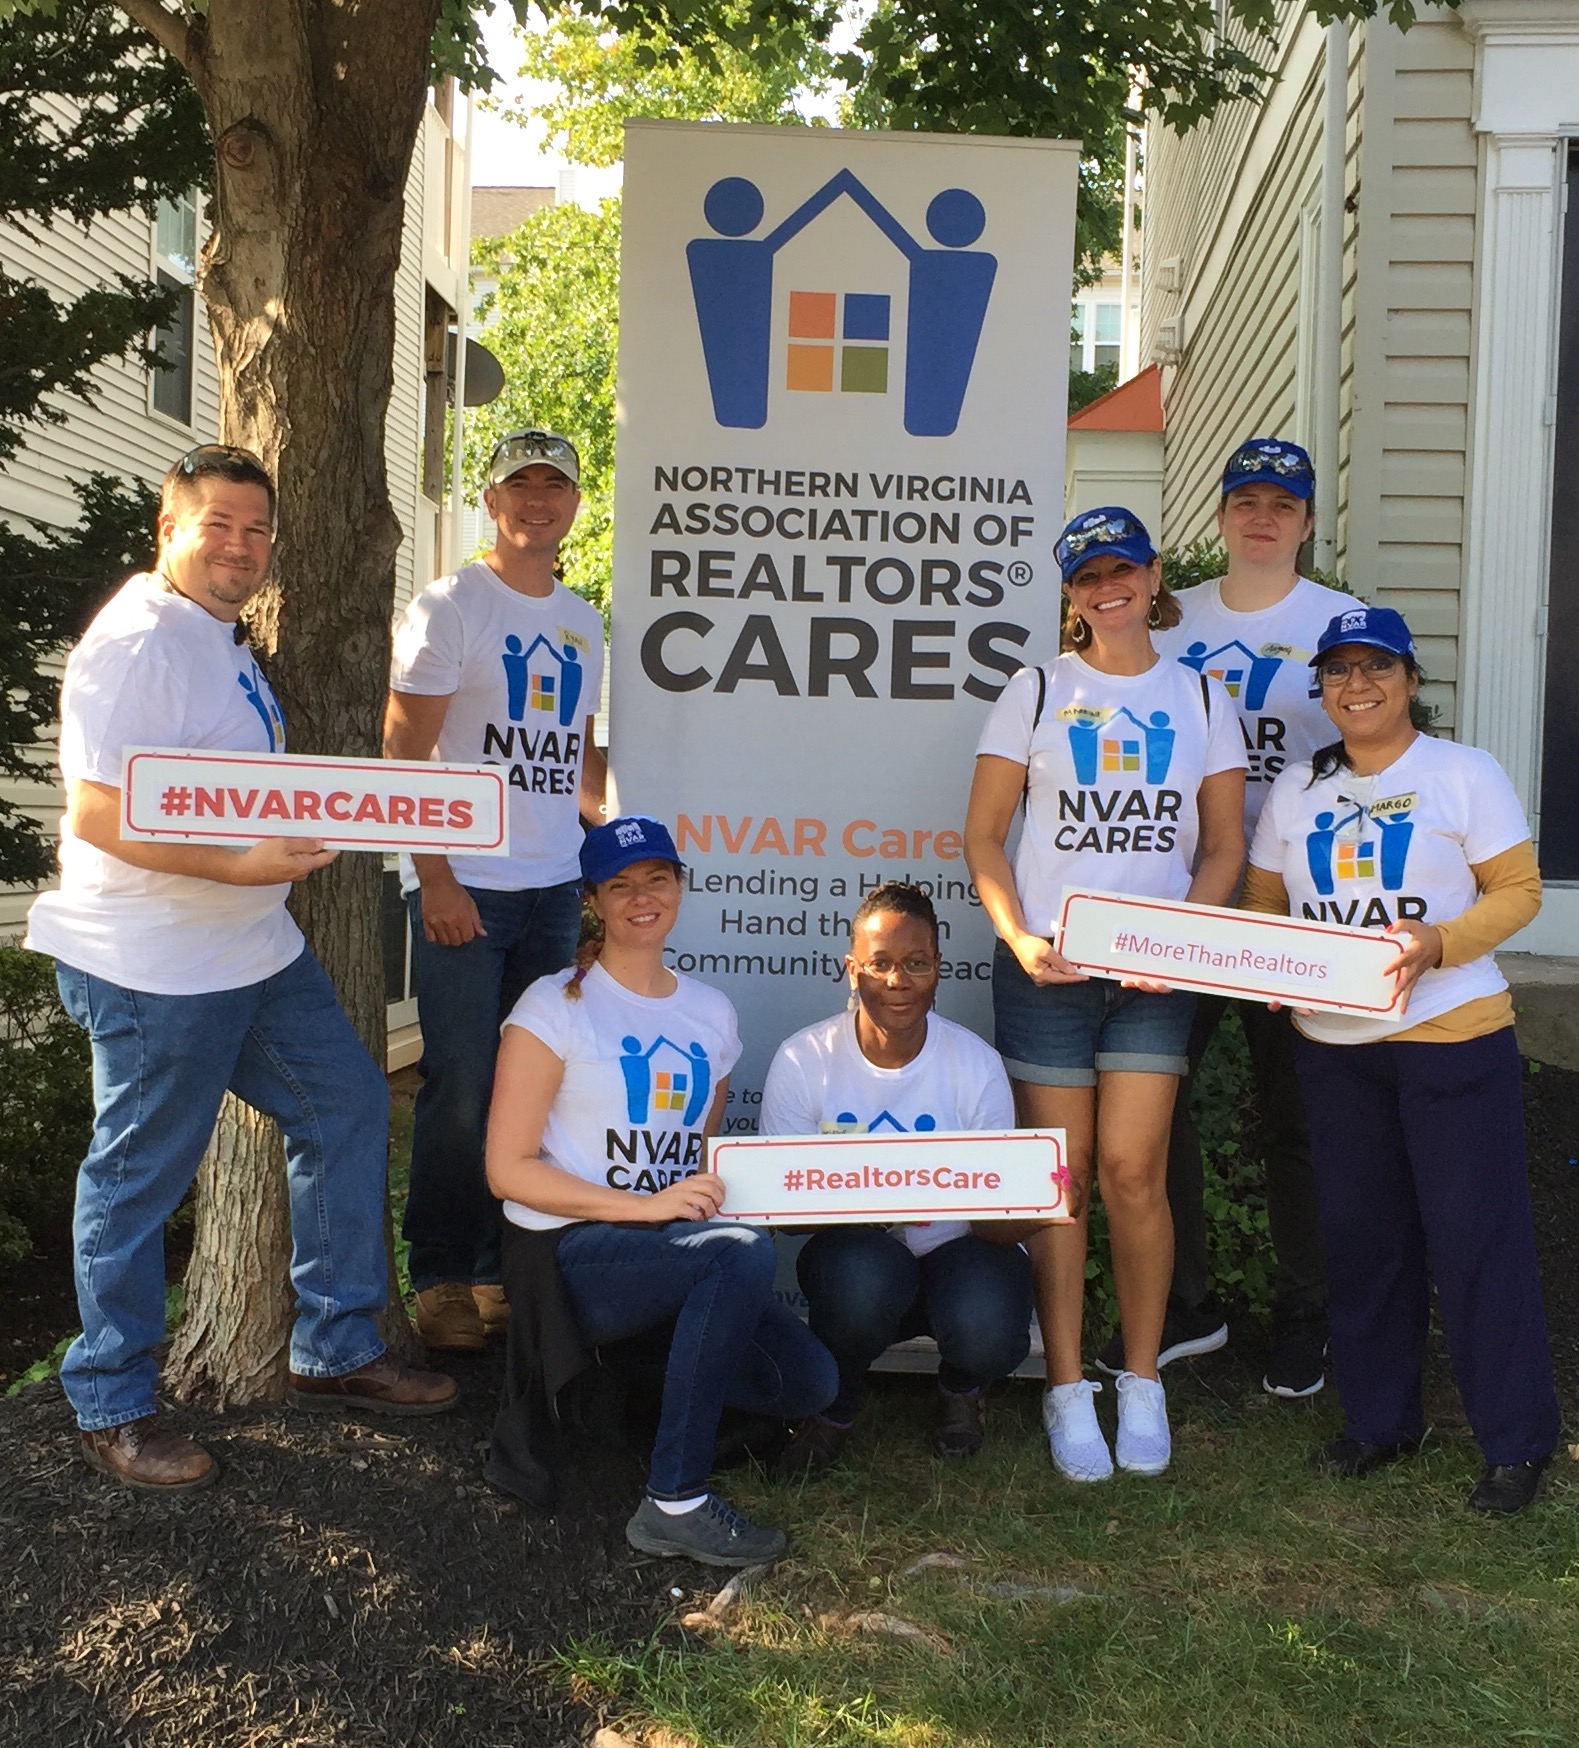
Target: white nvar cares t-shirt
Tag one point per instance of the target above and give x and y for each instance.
(523, 673)
(157, 670)
(1369, 851)
(641, 1073)
(820, 1082)
(1116, 763)
(1263, 662)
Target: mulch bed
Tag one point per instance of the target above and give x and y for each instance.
(359, 1584)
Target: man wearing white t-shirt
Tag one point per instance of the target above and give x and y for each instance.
(1254, 630)
(182, 964)
(498, 664)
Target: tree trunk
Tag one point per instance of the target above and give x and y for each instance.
(314, 107)
(231, 1344)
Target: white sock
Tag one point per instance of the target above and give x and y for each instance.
(678, 1507)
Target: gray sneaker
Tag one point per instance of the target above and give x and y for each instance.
(714, 1533)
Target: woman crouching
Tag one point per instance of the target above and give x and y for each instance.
(611, 1076)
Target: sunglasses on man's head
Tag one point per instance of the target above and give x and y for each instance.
(527, 446)
(209, 454)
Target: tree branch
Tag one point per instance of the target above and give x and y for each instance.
(171, 34)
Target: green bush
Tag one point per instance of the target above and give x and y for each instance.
(46, 1102)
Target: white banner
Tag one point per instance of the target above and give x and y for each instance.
(200, 797)
(1231, 952)
(842, 398)
(809, 1180)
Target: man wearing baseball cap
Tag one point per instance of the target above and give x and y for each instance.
(499, 664)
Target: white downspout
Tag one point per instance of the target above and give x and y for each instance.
(1329, 308)
(1128, 333)
(463, 310)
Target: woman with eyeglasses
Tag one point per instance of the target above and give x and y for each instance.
(1416, 1118)
(1130, 770)
(612, 1074)
(890, 1064)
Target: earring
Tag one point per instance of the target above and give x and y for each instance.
(1079, 631)
(1154, 613)
(853, 1003)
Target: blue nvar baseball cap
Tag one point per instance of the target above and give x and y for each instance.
(1094, 532)
(1379, 627)
(607, 849)
(1270, 461)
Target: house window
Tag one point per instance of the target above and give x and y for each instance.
(1096, 332)
(175, 270)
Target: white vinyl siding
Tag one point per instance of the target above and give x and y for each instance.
(1230, 200)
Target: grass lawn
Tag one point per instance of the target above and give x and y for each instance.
(1236, 1600)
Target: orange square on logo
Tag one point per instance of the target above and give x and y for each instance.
(810, 369)
(811, 315)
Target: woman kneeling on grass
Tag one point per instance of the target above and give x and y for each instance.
(1416, 1120)
(611, 1076)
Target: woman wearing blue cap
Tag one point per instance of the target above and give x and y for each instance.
(1131, 771)
(612, 1075)
(1416, 1120)
(1255, 628)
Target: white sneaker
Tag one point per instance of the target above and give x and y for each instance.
(1144, 1443)
(1069, 1416)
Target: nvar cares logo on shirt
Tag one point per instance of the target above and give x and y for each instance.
(260, 695)
(841, 340)
(542, 692)
(1348, 850)
(1121, 762)
(666, 1095)
(1246, 675)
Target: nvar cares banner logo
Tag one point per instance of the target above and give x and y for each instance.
(841, 339)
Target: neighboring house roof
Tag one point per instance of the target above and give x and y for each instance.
(498, 211)
(1135, 405)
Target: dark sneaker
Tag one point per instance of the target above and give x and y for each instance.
(1298, 1366)
(961, 1423)
(813, 1449)
(713, 1533)
(1353, 1457)
(1186, 1332)
(1507, 1487)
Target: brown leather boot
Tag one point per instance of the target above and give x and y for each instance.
(493, 1308)
(381, 1387)
(140, 1454)
(447, 1318)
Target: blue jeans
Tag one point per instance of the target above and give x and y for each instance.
(463, 996)
(733, 1343)
(161, 1065)
(866, 1291)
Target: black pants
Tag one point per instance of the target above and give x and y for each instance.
(1420, 1165)
(1300, 1281)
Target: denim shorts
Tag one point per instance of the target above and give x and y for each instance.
(1066, 1034)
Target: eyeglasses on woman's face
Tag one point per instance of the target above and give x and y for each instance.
(1336, 671)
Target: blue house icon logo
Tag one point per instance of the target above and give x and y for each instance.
(1244, 674)
(949, 286)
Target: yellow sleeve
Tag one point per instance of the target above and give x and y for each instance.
(1510, 895)
(1264, 891)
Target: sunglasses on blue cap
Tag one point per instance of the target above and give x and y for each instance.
(1095, 532)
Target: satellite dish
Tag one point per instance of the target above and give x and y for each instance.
(484, 372)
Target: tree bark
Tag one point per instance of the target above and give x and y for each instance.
(314, 107)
